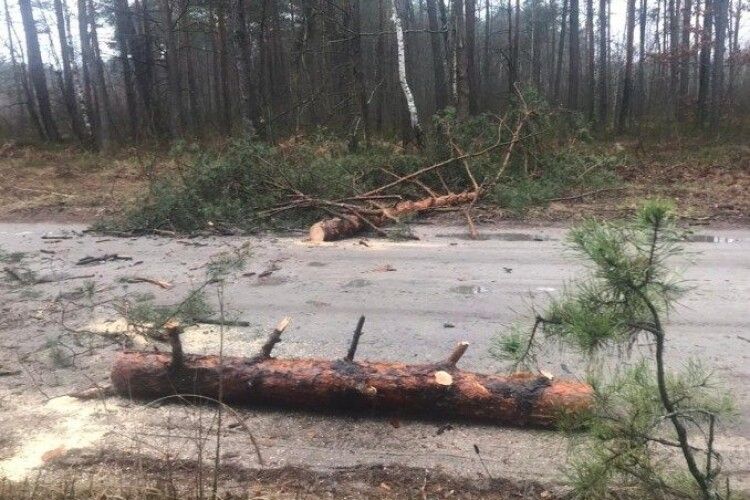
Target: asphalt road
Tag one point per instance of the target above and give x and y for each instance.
(419, 297)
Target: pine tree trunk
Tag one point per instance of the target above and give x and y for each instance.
(717, 70)
(560, 52)
(123, 35)
(575, 57)
(223, 102)
(92, 110)
(69, 92)
(472, 75)
(438, 67)
(641, 78)
(143, 64)
(674, 58)
(603, 66)
(358, 75)
(21, 79)
(461, 61)
(431, 390)
(106, 114)
(683, 102)
(704, 63)
(627, 84)
(175, 113)
(36, 72)
(244, 65)
(590, 74)
(486, 92)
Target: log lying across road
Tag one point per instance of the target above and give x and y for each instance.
(431, 390)
(337, 228)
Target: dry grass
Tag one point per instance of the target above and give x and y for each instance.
(128, 477)
(70, 185)
(707, 182)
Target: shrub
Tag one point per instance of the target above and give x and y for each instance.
(642, 410)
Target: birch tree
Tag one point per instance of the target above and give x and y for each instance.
(408, 96)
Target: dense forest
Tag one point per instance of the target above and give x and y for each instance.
(109, 72)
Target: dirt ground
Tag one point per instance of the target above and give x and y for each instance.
(708, 183)
(420, 298)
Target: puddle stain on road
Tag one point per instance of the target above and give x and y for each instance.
(468, 290)
(498, 236)
(709, 238)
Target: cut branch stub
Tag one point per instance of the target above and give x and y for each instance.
(457, 353)
(174, 330)
(274, 338)
(355, 339)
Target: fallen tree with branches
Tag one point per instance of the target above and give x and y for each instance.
(436, 389)
(378, 206)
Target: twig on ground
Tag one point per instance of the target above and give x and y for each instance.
(141, 279)
(217, 321)
(102, 258)
(587, 193)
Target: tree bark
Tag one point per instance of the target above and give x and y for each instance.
(674, 58)
(575, 57)
(411, 105)
(106, 114)
(358, 75)
(123, 35)
(143, 64)
(472, 76)
(223, 102)
(590, 48)
(431, 390)
(717, 70)
(348, 225)
(242, 49)
(21, 78)
(560, 52)
(627, 85)
(603, 67)
(69, 92)
(641, 78)
(704, 64)
(683, 101)
(175, 113)
(438, 66)
(36, 72)
(461, 76)
(486, 91)
(89, 102)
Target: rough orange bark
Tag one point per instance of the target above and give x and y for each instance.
(342, 227)
(520, 400)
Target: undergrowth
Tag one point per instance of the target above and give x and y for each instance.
(244, 185)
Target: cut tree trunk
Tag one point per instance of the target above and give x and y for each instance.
(344, 226)
(431, 390)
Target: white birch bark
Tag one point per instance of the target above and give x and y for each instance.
(410, 104)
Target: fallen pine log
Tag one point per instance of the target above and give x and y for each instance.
(438, 389)
(337, 228)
